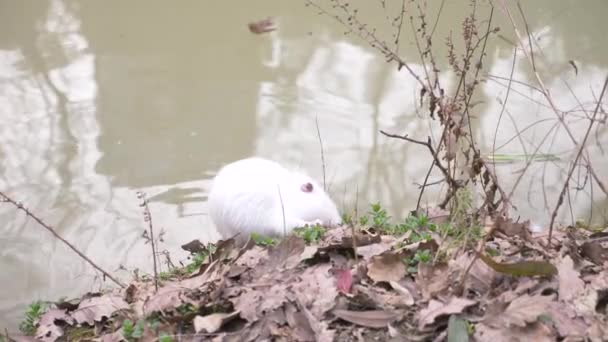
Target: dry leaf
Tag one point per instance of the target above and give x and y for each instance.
(262, 26)
(570, 284)
(433, 279)
(316, 290)
(455, 305)
(48, 330)
(406, 295)
(344, 280)
(386, 267)
(213, 322)
(565, 320)
(536, 332)
(302, 330)
(521, 311)
(480, 277)
(595, 252)
(94, 309)
(287, 254)
(374, 249)
(320, 328)
(253, 302)
(510, 228)
(370, 319)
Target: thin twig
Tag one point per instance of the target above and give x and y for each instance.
(148, 218)
(322, 153)
(547, 95)
(282, 210)
(19, 205)
(578, 155)
(428, 145)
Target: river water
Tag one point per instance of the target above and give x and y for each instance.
(101, 99)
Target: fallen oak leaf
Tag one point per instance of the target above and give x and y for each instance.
(48, 328)
(436, 309)
(406, 295)
(570, 283)
(213, 322)
(528, 268)
(94, 309)
(369, 318)
(387, 267)
(521, 311)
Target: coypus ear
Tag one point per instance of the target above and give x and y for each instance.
(307, 187)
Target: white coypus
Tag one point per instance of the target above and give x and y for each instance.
(256, 195)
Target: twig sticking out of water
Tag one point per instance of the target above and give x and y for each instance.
(148, 218)
(19, 206)
(575, 163)
(322, 153)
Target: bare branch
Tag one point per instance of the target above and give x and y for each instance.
(19, 205)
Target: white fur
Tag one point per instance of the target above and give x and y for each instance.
(261, 196)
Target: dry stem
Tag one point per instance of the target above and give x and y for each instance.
(578, 155)
(19, 205)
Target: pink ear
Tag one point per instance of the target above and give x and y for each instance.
(306, 187)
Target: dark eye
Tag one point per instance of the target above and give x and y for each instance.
(307, 187)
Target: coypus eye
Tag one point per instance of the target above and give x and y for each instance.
(306, 187)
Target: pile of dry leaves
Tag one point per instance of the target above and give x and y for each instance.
(526, 291)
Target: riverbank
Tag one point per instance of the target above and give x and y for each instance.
(423, 279)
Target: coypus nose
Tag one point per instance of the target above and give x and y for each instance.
(306, 187)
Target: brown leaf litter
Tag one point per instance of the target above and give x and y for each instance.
(320, 292)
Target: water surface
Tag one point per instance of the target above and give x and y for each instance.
(101, 99)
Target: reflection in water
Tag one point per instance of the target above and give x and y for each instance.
(101, 99)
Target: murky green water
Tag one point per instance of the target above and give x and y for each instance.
(101, 99)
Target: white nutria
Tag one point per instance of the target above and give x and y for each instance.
(256, 195)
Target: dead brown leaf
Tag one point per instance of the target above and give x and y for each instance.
(534, 332)
(570, 283)
(435, 309)
(302, 331)
(404, 292)
(94, 309)
(386, 267)
(521, 311)
(252, 302)
(595, 252)
(316, 289)
(287, 254)
(252, 257)
(50, 324)
(433, 279)
(480, 277)
(213, 322)
(168, 297)
(566, 321)
(262, 26)
(370, 318)
(510, 228)
(320, 328)
(367, 252)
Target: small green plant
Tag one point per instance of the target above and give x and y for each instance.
(363, 220)
(33, 313)
(421, 256)
(163, 337)
(380, 218)
(347, 219)
(263, 241)
(187, 309)
(310, 234)
(131, 331)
